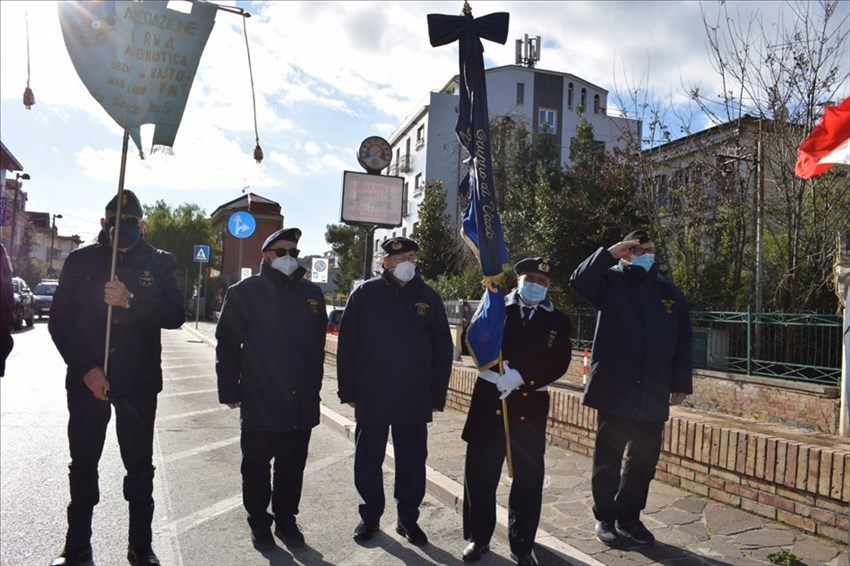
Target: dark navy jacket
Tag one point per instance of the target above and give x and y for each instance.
(540, 350)
(642, 346)
(395, 352)
(270, 350)
(78, 315)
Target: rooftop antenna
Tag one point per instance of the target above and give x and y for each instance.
(528, 51)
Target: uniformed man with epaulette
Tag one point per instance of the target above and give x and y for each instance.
(270, 351)
(393, 365)
(536, 351)
(145, 298)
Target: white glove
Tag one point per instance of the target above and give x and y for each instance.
(508, 381)
(488, 375)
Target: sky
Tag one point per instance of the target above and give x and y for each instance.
(326, 75)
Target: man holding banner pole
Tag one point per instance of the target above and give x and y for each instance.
(141, 298)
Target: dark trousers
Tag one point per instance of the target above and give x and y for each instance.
(485, 455)
(620, 489)
(410, 447)
(289, 451)
(134, 423)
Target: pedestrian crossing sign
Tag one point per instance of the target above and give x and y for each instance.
(202, 254)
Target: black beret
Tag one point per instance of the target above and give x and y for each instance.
(639, 235)
(399, 245)
(288, 234)
(130, 205)
(539, 265)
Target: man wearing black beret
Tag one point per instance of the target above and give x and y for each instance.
(536, 352)
(145, 297)
(270, 361)
(393, 365)
(640, 365)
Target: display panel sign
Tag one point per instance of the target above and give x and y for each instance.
(372, 200)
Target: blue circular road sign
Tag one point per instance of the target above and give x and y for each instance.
(241, 224)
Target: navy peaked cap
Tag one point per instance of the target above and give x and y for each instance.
(399, 245)
(288, 234)
(130, 205)
(540, 265)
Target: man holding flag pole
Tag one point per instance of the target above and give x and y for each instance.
(525, 366)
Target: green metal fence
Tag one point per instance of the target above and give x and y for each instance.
(793, 346)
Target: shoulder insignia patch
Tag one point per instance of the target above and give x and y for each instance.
(422, 309)
(668, 305)
(146, 279)
(314, 305)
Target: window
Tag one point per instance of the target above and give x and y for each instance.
(420, 136)
(405, 209)
(596, 104)
(418, 185)
(546, 121)
(404, 232)
(520, 93)
(583, 100)
(570, 96)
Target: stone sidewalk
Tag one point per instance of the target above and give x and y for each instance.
(690, 529)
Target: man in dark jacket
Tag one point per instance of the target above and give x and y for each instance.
(536, 351)
(640, 365)
(269, 361)
(144, 298)
(393, 366)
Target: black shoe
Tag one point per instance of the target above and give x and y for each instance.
(524, 559)
(366, 530)
(635, 530)
(411, 532)
(74, 556)
(262, 539)
(474, 550)
(141, 555)
(290, 534)
(606, 533)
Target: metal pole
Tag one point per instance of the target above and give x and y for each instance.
(198, 307)
(52, 235)
(759, 238)
(844, 420)
(239, 267)
(367, 253)
(749, 340)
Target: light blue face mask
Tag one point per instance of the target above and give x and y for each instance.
(645, 261)
(531, 293)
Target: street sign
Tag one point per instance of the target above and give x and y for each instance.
(241, 224)
(319, 273)
(202, 254)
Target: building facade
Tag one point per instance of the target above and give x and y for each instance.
(425, 147)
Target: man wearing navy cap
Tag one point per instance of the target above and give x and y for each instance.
(393, 365)
(536, 352)
(145, 297)
(269, 361)
(640, 365)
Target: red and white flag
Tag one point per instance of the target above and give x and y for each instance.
(828, 144)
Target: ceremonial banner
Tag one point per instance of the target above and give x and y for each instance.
(481, 227)
(828, 143)
(138, 59)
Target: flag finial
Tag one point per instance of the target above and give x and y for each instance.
(467, 9)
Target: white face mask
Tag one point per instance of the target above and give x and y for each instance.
(405, 271)
(286, 264)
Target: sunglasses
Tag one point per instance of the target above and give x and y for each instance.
(280, 252)
(128, 220)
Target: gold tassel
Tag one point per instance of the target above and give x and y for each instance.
(29, 98)
(258, 153)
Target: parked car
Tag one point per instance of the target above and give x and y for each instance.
(43, 296)
(334, 316)
(24, 304)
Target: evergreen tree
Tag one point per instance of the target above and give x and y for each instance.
(347, 242)
(438, 249)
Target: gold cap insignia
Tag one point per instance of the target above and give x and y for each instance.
(396, 245)
(543, 267)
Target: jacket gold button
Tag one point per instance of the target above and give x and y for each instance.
(498, 411)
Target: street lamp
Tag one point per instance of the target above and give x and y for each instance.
(18, 184)
(50, 270)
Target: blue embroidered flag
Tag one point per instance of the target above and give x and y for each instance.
(481, 227)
